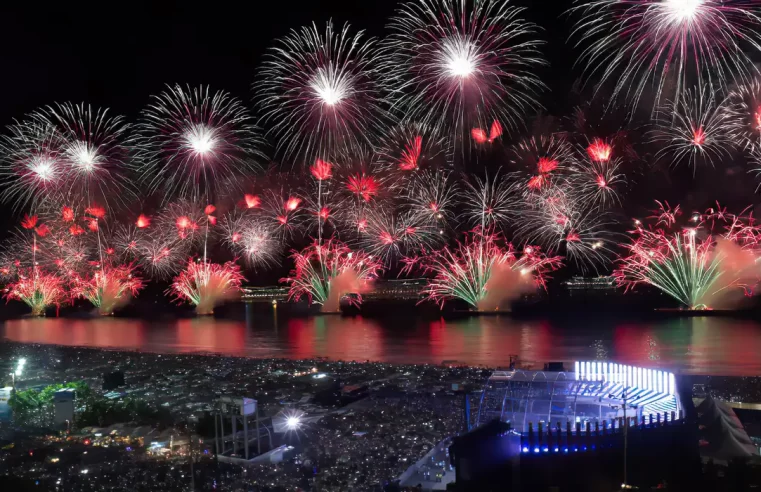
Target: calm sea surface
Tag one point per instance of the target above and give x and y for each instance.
(699, 345)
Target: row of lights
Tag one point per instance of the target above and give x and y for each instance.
(556, 449)
(639, 377)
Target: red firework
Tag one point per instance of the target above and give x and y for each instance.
(252, 201)
(411, 154)
(363, 185)
(599, 150)
(480, 136)
(321, 170)
(142, 222)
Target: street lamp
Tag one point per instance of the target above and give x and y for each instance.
(624, 398)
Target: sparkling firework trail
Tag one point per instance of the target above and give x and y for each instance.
(692, 265)
(319, 95)
(190, 141)
(668, 44)
(431, 198)
(38, 290)
(325, 273)
(696, 128)
(253, 238)
(31, 163)
(206, 285)
(458, 65)
(482, 272)
(109, 288)
(93, 153)
(743, 106)
(413, 147)
(489, 203)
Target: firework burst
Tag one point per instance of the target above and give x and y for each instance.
(668, 44)
(93, 155)
(457, 65)
(190, 141)
(109, 288)
(692, 265)
(489, 203)
(31, 164)
(325, 273)
(412, 147)
(695, 128)
(318, 93)
(483, 272)
(38, 290)
(743, 106)
(251, 237)
(431, 198)
(206, 285)
(540, 160)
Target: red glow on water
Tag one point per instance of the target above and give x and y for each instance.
(599, 150)
(142, 222)
(321, 170)
(292, 203)
(411, 154)
(546, 165)
(252, 201)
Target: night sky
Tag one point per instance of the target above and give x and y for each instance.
(118, 57)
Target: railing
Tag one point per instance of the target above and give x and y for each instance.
(575, 439)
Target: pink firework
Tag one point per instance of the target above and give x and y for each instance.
(326, 273)
(599, 150)
(484, 271)
(413, 146)
(459, 67)
(321, 170)
(363, 186)
(109, 288)
(206, 285)
(38, 290)
(701, 265)
(481, 137)
(661, 45)
(194, 143)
